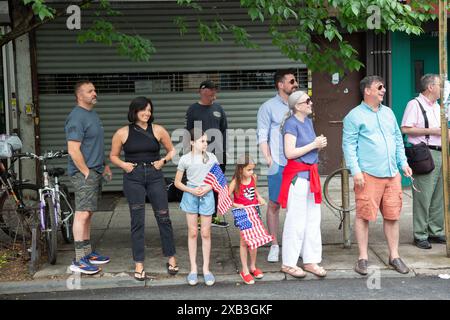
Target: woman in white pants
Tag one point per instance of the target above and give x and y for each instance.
(300, 190)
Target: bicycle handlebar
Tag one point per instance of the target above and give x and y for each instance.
(46, 156)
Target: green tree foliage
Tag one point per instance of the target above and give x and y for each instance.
(27, 15)
(310, 31)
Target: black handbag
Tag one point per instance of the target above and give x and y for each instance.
(419, 155)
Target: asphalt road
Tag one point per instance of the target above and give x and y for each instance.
(423, 288)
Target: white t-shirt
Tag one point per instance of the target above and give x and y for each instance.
(196, 170)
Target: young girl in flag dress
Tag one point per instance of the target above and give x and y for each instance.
(243, 188)
(198, 199)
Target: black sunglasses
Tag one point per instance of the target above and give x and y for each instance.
(307, 101)
(292, 81)
(380, 87)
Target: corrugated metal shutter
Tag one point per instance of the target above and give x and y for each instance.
(58, 53)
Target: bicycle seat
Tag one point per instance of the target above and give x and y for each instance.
(56, 172)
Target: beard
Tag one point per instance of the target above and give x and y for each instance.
(289, 92)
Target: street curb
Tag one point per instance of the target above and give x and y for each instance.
(123, 280)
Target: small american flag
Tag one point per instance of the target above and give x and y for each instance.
(251, 226)
(217, 180)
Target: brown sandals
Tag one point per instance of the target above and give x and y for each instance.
(315, 270)
(295, 272)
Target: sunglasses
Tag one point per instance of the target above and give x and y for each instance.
(292, 81)
(380, 87)
(413, 185)
(307, 101)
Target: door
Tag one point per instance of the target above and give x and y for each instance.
(424, 59)
(332, 101)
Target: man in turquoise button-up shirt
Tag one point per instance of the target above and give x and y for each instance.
(373, 150)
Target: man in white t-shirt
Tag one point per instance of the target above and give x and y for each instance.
(428, 217)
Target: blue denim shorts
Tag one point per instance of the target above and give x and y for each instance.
(274, 184)
(202, 205)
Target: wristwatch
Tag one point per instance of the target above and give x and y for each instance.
(164, 159)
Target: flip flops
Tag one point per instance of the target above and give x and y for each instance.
(172, 269)
(141, 276)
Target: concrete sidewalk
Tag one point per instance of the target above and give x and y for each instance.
(111, 236)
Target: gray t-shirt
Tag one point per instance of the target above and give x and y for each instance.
(86, 127)
(196, 170)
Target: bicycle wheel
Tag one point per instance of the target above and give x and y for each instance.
(51, 229)
(67, 212)
(14, 220)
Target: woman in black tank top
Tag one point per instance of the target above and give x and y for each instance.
(141, 142)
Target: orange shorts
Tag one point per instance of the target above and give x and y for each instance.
(379, 193)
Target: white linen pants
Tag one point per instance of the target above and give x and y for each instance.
(301, 231)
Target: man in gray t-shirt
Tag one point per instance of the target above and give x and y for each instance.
(86, 127)
(84, 135)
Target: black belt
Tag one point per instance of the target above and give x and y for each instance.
(144, 164)
(437, 148)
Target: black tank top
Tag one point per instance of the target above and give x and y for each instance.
(141, 147)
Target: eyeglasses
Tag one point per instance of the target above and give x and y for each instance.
(412, 184)
(292, 81)
(307, 101)
(380, 87)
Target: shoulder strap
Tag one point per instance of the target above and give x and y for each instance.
(142, 131)
(424, 113)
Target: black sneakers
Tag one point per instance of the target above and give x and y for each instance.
(437, 239)
(422, 244)
(216, 222)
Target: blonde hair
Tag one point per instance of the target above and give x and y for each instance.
(292, 101)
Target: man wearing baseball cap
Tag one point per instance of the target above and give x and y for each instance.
(210, 117)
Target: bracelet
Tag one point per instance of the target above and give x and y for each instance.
(164, 159)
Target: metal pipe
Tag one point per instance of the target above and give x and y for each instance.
(346, 205)
(444, 124)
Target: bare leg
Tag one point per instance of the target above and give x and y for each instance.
(82, 225)
(391, 231)
(273, 220)
(243, 255)
(206, 242)
(362, 237)
(253, 254)
(192, 240)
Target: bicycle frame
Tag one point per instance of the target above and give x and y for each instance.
(7, 183)
(58, 194)
(51, 188)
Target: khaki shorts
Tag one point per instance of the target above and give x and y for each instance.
(87, 191)
(379, 193)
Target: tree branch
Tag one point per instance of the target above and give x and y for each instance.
(27, 27)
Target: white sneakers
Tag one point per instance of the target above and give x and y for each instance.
(273, 253)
